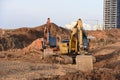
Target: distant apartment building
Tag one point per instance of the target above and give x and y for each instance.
(111, 14)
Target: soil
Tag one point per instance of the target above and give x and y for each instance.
(16, 64)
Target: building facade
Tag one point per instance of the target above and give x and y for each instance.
(111, 14)
(118, 13)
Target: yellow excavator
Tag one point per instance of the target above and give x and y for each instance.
(77, 47)
(78, 44)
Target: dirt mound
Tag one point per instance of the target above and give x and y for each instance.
(22, 37)
(103, 38)
(105, 34)
(36, 45)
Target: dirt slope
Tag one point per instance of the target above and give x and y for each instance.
(22, 37)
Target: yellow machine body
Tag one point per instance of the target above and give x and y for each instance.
(76, 41)
(63, 48)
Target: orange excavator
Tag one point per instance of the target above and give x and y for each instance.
(48, 40)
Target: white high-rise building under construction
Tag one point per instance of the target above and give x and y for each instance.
(111, 14)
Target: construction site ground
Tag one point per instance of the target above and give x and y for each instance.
(16, 65)
(19, 62)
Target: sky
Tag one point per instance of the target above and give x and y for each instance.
(31, 13)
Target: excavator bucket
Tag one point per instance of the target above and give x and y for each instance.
(84, 63)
